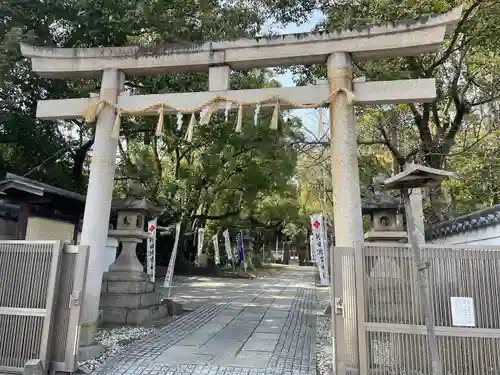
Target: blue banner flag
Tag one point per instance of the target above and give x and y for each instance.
(239, 247)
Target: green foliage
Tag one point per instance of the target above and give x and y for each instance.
(260, 180)
(466, 71)
(221, 179)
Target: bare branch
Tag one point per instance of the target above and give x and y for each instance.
(451, 47)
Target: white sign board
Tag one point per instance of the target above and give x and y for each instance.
(151, 250)
(216, 250)
(201, 236)
(227, 245)
(462, 312)
(319, 239)
(171, 265)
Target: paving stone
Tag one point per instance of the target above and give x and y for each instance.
(266, 327)
(274, 317)
(253, 359)
(219, 346)
(261, 345)
(222, 319)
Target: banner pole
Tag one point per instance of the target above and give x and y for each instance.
(171, 265)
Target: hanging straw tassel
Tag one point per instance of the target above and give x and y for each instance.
(276, 114)
(189, 132)
(239, 121)
(160, 126)
(228, 108)
(256, 115)
(92, 110)
(115, 130)
(351, 98)
(179, 120)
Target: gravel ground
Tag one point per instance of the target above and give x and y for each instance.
(116, 339)
(323, 334)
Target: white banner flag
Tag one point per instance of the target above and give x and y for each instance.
(227, 245)
(201, 237)
(151, 250)
(319, 239)
(216, 250)
(312, 248)
(171, 265)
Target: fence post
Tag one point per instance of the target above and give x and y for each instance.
(359, 271)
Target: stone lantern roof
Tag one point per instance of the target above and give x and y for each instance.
(385, 214)
(136, 201)
(380, 200)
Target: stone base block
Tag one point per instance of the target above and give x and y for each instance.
(88, 352)
(132, 301)
(34, 367)
(173, 308)
(125, 276)
(130, 316)
(126, 287)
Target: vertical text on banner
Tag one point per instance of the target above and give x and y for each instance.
(151, 250)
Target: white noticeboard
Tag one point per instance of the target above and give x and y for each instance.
(462, 312)
(151, 250)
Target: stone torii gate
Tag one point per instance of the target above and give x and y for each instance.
(338, 49)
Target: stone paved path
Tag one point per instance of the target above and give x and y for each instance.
(266, 329)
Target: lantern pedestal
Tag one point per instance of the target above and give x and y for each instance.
(127, 295)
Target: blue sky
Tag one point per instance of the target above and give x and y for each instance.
(309, 117)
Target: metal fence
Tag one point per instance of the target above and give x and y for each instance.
(379, 325)
(40, 285)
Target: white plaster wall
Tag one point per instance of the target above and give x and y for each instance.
(484, 236)
(40, 229)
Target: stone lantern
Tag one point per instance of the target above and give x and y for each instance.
(385, 213)
(127, 295)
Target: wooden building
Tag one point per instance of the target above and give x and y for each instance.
(31, 210)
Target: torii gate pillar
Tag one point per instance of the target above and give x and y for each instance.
(98, 206)
(347, 216)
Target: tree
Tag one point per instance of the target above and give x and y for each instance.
(465, 69)
(220, 177)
